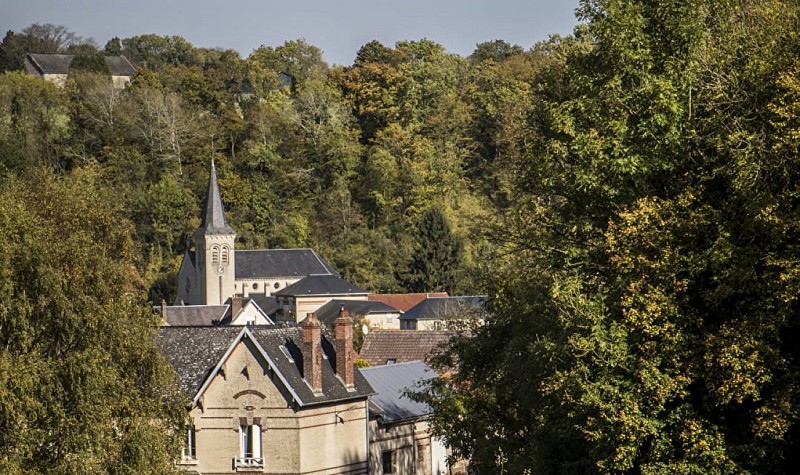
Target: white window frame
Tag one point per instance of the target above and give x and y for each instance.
(250, 446)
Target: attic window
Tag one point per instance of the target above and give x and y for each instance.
(286, 353)
(391, 361)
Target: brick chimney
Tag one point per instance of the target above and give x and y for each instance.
(343, 332)
(236, 305)
(311, 331)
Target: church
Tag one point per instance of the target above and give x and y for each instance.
(215, 271)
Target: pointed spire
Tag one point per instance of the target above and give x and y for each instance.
(213, 214)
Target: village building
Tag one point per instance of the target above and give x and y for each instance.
(273, 400)
(377, 315)
(215, 271)
(445, 313)
(382, 347)
(55, 68)
(400, 441)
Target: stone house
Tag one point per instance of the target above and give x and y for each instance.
(273, 400)
(312, 292)
(445, 313)
(377, 314)
(55, 68)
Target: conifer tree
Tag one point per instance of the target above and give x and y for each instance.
(435, 262)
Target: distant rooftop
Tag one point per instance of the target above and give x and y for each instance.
(404, 302)
(398, 346)
(321, 285)
(391, 383)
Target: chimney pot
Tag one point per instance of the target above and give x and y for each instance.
(311, 331)
(343, 332)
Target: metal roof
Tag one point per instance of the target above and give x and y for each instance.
(392, 382)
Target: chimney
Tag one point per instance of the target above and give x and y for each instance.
(343, 332)
(236, 305)
(311, 331)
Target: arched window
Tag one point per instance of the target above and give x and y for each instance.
(225, 254)
(215, 255)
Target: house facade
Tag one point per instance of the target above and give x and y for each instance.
(271, 400)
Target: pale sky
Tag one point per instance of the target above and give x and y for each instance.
(338, 27)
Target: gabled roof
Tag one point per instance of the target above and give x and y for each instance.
(59, 64)
(391, 382)
(268, 305)
(279, 263)
(321, 285)
(50, 63)
(434, 308)
(194, 352)
(213, 214)
(382, 346)
(195, 374)
(194, 315)
(119, 66)
(404, 302)
(357, 308)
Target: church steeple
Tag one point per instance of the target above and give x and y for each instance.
(213, 214)
(214, 250)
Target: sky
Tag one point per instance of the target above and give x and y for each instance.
(338, 27)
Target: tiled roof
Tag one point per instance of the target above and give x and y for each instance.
(434, 308)
(403, 302)
(357, 308)
(321, 285)
(195, 351)
(193, 315)
(382, 346)
(391, 383)
(278, 263)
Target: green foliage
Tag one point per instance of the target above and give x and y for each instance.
(436, 260)
(84, 389)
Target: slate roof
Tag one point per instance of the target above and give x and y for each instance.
(401, 346)
(120, 66)
(433, 308)
(357, 308)
(50, 63)
(194, 315)
(268, 305)
(403, 302)
(277, 263)
(213, 214)
(210, 344)
(391, 383)
(195, 351)
(321, 285)
(59, 64)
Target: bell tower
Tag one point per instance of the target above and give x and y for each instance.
(214, 253)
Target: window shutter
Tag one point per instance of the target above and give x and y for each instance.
(256, 441)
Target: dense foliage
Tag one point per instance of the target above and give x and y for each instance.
(628, 196)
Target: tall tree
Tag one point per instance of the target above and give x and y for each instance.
(436, 260)
(643, 319)
(83, 389)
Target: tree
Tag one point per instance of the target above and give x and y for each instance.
(497, 51)
(435, 262)
(83, 389)
(647, 292)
